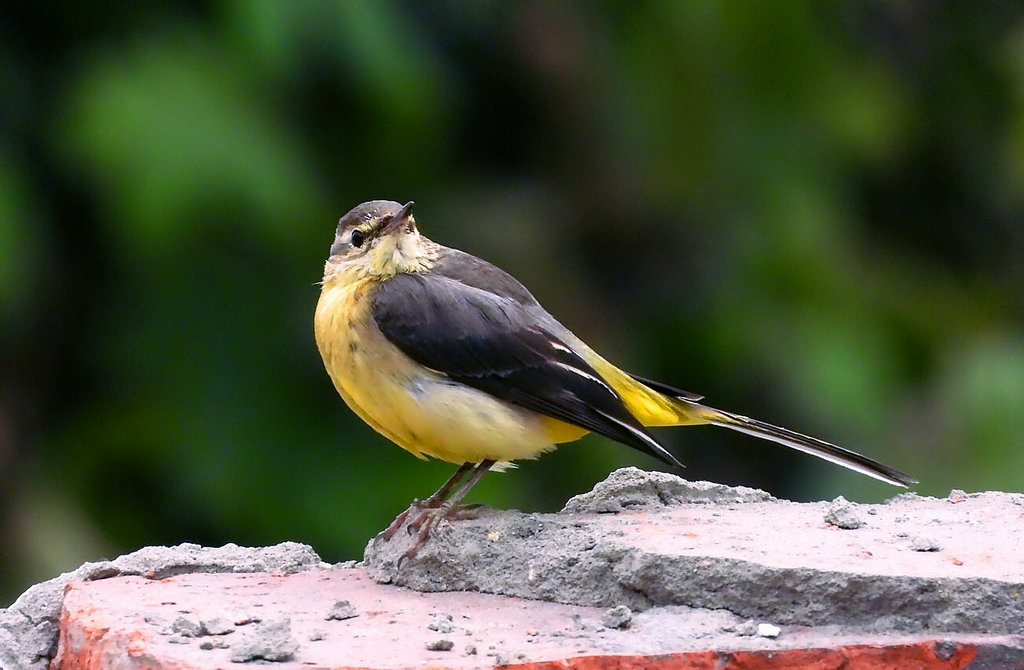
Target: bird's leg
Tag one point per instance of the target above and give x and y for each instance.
(451, 508)
(429, 518)
(432, 502)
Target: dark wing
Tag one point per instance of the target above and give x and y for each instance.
(665, 389)
(469, 270)
(493, 343)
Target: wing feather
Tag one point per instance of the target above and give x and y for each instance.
(492, 340)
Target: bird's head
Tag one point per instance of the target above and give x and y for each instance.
(379, 239)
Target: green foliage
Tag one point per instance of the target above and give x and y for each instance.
(811, 213)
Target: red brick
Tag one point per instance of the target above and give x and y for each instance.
(918, 656)
(122, 624)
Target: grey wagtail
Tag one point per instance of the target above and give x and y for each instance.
(449, 356)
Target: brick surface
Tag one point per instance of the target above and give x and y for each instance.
(341, 618)
(647, 570)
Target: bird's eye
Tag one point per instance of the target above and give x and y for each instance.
(357, 238)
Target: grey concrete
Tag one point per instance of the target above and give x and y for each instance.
(669, 556)
(268, 640)
(28, 628)
(913, 564)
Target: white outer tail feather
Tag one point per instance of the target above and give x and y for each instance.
(809, 445)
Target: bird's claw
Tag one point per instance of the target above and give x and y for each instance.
(426, 522)
(393, 527)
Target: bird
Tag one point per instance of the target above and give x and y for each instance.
(450, 357)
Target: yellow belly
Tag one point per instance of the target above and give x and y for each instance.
(422, 411)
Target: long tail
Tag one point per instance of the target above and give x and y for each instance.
(656, 404)
(807, 444)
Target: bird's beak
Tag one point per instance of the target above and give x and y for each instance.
(400, 217)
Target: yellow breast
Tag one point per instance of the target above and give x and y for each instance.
(420, 410)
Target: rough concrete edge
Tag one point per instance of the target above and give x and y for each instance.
(631, 488)
(29, 627)
(574, 570)
(577, 574)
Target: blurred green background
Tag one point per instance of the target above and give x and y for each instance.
(810, 212)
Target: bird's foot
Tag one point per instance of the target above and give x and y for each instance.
(444, 504)
(418, 505)
(427, 521)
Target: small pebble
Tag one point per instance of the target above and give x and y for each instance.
(340, 611)
(617, 617)
(768, 630)
(843, 514)
(746, 629)
(441, 623)
(945, 649)
(440, 645)
(187, 627)
(213, 644)
(216, 626)
(271, 640)
(923, 543)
